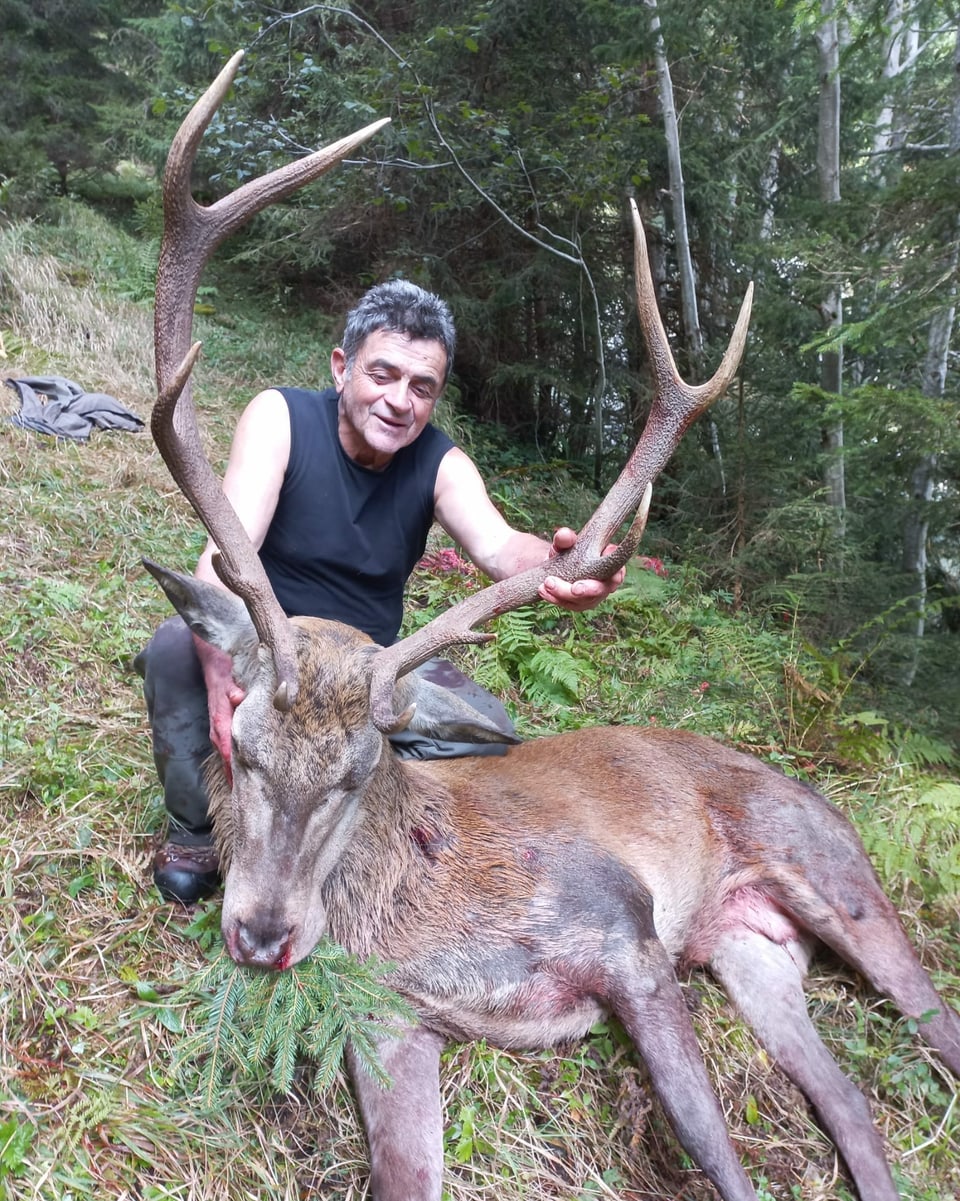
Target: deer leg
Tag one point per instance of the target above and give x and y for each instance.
(404, 1123)
(765, 981)
(870, 938)
(649, 1002)
(819, 873)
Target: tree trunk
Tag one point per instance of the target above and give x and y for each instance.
(693, 334)
(900, 49)
(828, 172)
(923, 476)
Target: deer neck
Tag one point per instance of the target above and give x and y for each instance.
(386, 870)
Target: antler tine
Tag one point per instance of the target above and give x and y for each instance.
(676, 404)
(191, 234)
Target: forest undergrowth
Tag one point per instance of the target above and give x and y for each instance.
(98, 981)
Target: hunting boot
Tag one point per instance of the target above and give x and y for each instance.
(186, 866)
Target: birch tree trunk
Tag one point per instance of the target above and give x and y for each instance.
(828, 173)
(900, 49)
(923, 476)
(693, 334)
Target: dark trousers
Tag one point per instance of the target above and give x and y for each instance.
(176, 697)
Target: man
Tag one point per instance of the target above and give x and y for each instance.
(337, 491)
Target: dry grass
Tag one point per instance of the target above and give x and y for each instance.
(91, 960)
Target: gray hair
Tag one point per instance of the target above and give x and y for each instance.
(403, 308)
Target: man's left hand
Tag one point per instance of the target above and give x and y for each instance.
(582, 594)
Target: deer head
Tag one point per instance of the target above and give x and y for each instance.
(301, 774)
(309, 736)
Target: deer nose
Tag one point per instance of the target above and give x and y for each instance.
(257, 946)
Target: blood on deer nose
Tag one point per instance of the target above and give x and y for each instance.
(255, 945)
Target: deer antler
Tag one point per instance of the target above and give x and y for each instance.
(191, 233)
(676, 405)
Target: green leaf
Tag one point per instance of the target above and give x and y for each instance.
(15, 1139)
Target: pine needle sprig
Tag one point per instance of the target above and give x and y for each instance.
(221, 1035)
(257, 1026)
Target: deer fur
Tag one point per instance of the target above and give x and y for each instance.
(523, 897)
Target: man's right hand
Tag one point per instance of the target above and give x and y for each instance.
(223, 695)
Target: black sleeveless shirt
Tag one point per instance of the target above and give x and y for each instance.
(344, 539)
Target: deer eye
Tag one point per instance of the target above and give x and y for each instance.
(358, 770)
(244, 754)
(353, 778)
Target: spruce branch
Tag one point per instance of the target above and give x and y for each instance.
(257, 1026)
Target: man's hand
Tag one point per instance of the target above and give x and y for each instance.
(221, 702)
(223, 695)
(582, 594)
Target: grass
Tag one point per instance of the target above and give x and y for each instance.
(93, 1009)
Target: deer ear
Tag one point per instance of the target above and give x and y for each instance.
(212, 613)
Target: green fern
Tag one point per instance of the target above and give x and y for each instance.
(919, 839)
(98, 1105)
(549, 675)
(871, 737)
(136, 274)
(552, 676)
(923, 751)
(516, 634)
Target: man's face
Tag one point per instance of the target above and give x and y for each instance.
(388, 396)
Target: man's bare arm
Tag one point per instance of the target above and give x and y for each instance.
(464, 509)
